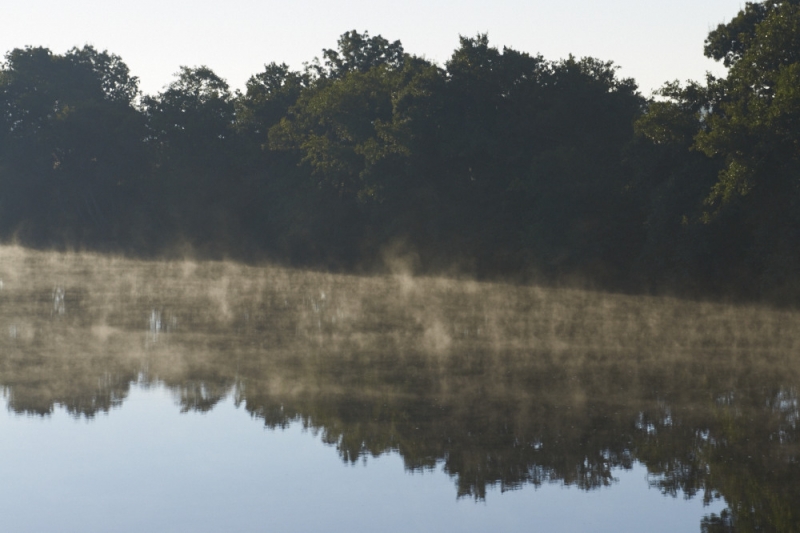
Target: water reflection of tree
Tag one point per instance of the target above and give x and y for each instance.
(497, 386)
(486, 433)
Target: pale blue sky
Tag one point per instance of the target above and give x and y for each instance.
(651, 41)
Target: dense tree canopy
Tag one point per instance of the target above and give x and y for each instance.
(746, 127)
(70, 143)
(498, 162)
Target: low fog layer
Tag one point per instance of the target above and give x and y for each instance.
(500, 384)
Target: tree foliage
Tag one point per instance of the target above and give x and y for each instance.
(747, 125)
(71, 137)
(358, 52)
(502, 162)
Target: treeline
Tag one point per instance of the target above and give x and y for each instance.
(498, 163)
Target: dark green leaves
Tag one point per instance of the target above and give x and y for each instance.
(360, 53)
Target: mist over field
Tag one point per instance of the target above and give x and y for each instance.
(500, 384)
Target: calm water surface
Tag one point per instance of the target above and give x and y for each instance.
(178, 396)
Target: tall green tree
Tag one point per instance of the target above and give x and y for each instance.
(583, 217)
(747, 123)
(274, 193)
(71, 150)
(353, 130)
(534, 157)
(358, 52)
(192, 120)
(192, 134)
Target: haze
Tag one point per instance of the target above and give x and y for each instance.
(653, 42)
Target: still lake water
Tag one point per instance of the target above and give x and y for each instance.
(210, 396)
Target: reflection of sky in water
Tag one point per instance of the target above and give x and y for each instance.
(500, 385)
(146, 467)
